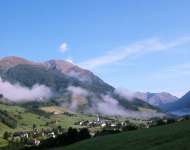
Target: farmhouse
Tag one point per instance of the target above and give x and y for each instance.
(35, 142)
(21, 134)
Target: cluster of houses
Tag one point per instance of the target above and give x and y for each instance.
(116, 124)
(33, 137)
(99, 122)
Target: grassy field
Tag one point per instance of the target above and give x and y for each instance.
(3, 143)
(170, 137)
(54, 109)
(26, 119)
(63, 119)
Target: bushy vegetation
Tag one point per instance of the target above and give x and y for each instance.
(7, 119)
(106, 132)
(34, 107)
(67, 138)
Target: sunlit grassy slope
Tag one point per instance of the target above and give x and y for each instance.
(170, 137)
(26, 119)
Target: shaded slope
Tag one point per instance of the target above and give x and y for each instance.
(29, 75)
(180, 107)
(11, 61)
(175, 136)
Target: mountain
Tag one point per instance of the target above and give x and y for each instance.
(185, 101)
(57, 74)
(71, 70)
(180, 107)
(156, 99)
(73, 87)
(8, 62)
(86, 77)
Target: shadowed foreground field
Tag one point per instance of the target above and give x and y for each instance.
(3, 142)
(170, 137)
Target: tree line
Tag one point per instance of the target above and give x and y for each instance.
(71, 136)
(7, 119)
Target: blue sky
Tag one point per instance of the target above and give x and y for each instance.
(138, 45)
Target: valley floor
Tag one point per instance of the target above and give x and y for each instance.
(175, 136)
(168, 137)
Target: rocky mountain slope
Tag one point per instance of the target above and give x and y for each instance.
(71, 86)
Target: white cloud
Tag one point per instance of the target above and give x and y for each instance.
(69, 60)
(110, 106)
(125, 93)
(138, 48)
(77, 91)
(78, 97)
(63, 47)
(19, 93)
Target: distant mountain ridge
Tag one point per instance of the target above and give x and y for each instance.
(179, 107)
(156, 99)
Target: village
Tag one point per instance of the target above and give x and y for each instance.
(102, 126)
(103, 123)
(33, 137)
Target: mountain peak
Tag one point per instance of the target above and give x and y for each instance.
(69, 69)
(181, 106)
(59, 64)
(11, 61)
(186, 97)
(156, 99)
(13, 58)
